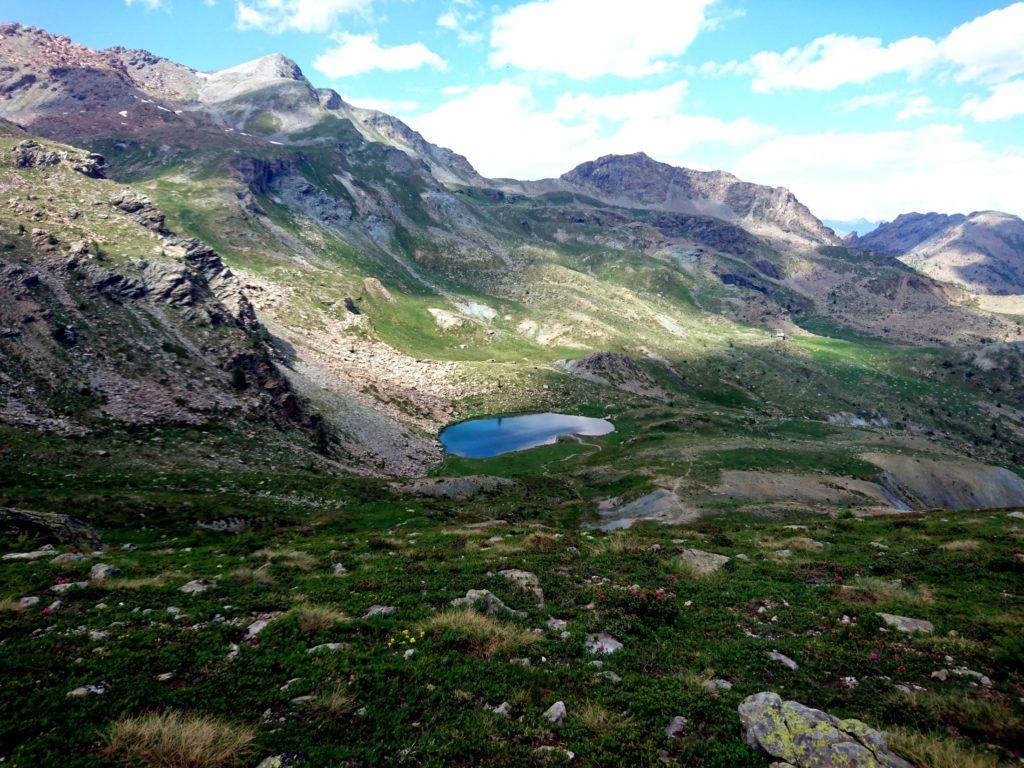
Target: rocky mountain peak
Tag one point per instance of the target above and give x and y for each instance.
(639, 180)
(905, 232)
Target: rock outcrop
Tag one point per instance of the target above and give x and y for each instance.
(810, 738)
(640, 181)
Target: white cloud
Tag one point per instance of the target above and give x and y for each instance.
(356, 54)
(301, 15)
(149, 5)
(881, 174)
(917, 106)
(588, 38)
(505, 133)
(1005, 101)
(459, 15)
(657, 103)
(834, 60)
(869, 100)
(987, 49)
(448, 20)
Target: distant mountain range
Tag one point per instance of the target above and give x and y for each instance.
(982, 252)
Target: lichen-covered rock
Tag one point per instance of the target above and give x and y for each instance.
(810, 738)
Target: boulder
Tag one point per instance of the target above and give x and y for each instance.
(556, 712)
(703, 562)
(484, 601)
(103, 571)
(810, 738)
(198, 586)
(676, 726)
(526, 581)
(49, 526)
(905, 624)
(783, 660)
(602, 642)
(379, 610)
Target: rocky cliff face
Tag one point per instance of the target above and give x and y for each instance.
(982, 252)
(640, 181)
(905, 232)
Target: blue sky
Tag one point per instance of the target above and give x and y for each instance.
(862, 108)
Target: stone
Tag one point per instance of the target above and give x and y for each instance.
(87, 690)
(810, 738)
(484, 601)
(556, 712)
(67, 586)
(198, 586)
(783, 660)
(526, 581)
(602, 642)
(46, 551)
(942, 675)
(328, 647)
(557, 625)
(103, 571)
(339, 569)
(504, 709)
(48, 526)
(703, 562)
(549, 751)
(379, 610)
(676, 726)
(28, 602)
(905, 624)
(717, 686)
(68, 557)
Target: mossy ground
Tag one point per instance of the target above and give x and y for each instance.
(370, 705)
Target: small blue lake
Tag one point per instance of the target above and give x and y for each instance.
(483, 438)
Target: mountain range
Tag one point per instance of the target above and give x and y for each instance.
(382, 282)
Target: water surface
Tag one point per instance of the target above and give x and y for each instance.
(483, 438)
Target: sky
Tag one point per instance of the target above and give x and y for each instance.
(865, 108)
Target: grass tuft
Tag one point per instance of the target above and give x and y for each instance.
(929, 751)
(315, 618)
(178, 740)
(485, 636)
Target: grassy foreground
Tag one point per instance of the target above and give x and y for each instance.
(275, 657)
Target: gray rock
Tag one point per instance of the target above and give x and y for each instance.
(676, 726)
(60, 589)
(68, 557)
(484, 601)
(46, 551)
(379, 610)
(810, 738)
(703, 562)
(602, 642)
(783, 660)
(28, 602)
(103, 571)
(556, 712)
(198, 586)
(549, 751)
(717, 686)
(87, 690)
(526, 581)
(328, 647)
(905, 624)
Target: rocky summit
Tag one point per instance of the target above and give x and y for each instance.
(237, 312)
